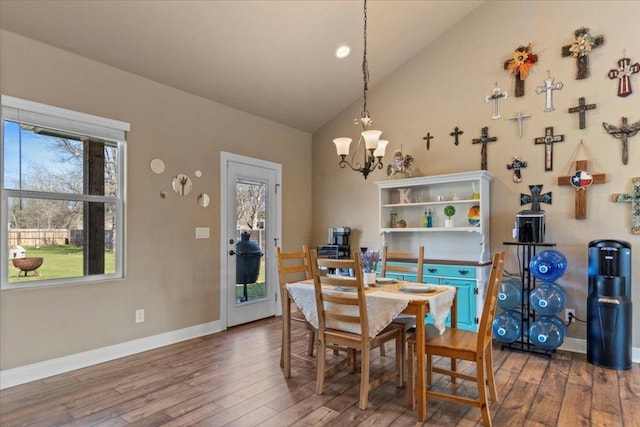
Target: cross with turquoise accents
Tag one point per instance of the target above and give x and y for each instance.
(634, 199)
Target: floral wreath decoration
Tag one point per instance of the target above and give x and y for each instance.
(581, 45)
(523, 59)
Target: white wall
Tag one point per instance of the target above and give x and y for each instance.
(445, 85)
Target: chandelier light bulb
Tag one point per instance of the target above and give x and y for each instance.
(382, 146)
(371, 138)
(342, 146)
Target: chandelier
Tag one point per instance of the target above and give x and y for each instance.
(374, 147)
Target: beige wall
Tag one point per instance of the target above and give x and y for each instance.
(444, 86)
(169, 273)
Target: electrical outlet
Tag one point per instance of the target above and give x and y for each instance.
(567, 313)
(140, 315)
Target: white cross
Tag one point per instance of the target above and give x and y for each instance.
(495, 96)
(520, 117)
(549, 87)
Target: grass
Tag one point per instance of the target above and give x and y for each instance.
(59, 261)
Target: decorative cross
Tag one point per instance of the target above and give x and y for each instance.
(516, 164)
(581, 108)
(634, 199)
(535, 198)
(549, 87)
(580, 180)
(580, 49)
(623, 74)
(495, 96)
(484, 139)
(456, 132)
(548, 140)
(428, 138)
(623, 133)
(520, 117)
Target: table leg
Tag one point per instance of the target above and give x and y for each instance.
(421, 379)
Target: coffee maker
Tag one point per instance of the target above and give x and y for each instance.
(337, 246)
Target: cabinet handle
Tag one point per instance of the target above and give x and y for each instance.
(463, 272)
(432, 270)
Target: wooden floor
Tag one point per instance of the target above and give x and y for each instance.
(234, 378)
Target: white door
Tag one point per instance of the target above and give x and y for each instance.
(250, 216)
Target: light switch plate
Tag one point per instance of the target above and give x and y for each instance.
(202, 232)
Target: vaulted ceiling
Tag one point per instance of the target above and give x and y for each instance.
(274, 59)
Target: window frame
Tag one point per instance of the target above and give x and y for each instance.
(33, 113)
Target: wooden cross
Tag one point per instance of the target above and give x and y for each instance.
(535, 198)
(549, 87)
(484, 139)
(634, 199)
(516, 164)
(520, 117)
(579, 50)
(623, 74)
(548, 140)
(456, 132)
(495, 96)
(581, 108)
(428, 138)
(623, 133)
(580, 181)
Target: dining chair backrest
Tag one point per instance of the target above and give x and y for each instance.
(339, 308)
(485, 329)
(391, 260)
(292, 267)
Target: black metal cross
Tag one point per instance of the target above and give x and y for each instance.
(456, 132)
(581, 108)
(428, 138)
(484, 139)
(535, 198)
(548, 139)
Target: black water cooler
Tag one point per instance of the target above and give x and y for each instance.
(609, 307)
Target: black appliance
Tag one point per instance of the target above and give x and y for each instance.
(530, 226)
(248, 255)
(609, 306)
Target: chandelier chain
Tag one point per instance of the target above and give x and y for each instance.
(365, 65)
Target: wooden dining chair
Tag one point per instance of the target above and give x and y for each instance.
(458, 344)
(391, 260)
(292, 267)
(350, 308)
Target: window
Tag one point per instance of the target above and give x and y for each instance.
(62, 195)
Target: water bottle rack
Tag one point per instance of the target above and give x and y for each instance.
(528, 282)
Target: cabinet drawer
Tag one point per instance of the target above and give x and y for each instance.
(457, 271)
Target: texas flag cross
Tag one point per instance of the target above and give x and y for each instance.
(581, 180)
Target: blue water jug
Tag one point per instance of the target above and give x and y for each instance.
(547, 333)
(548, 265)
(506, 326)
(509, 294)
(548, 299)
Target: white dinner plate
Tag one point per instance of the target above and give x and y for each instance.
(419, 289)
(344, 289)
(385, 280)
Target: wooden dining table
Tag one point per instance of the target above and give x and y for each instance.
(417, 305)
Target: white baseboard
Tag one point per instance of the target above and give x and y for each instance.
(47, 368)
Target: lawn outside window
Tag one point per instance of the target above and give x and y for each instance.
(62, 182)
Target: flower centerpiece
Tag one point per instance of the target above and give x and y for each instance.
(369, 260)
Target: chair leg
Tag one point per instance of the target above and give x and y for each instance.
(365, 359)
(411, 393)
(429, 370)
(400, 360)
(491, 383)
(383, 351)
(312, 338)
(320, 365)
(482, 391)
(454, 368)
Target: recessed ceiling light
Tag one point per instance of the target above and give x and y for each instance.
(343, 51)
